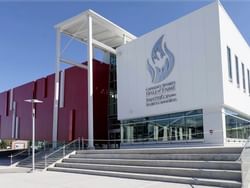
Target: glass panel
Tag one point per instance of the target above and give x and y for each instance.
(170, 127)
(230, 75)
(248, 77)
(237, 126)
(237, 71)
(243, 76)
(194, 127)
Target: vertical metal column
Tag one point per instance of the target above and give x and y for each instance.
(33, 135)
(124, 39)
(56, 94)
(90, 86)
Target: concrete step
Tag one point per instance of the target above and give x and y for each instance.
(220, 165)
(203, 157)
(153, 177)
(186, 172)
(180, 150)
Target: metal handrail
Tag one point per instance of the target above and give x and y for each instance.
(12, 156)
(171, 139)
(244, 148)
(245, 168)
(64, 146)
(61, 149)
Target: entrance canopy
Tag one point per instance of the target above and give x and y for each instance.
(94, 31)
(106, 35)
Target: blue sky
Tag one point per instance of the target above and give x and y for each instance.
(27, 35)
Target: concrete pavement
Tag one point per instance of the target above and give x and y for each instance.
(67, 180)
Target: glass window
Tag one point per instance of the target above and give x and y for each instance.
(248, 78)
(230, 75)
(243, 76)
(237, 71)
(237, 126)
(169, 127)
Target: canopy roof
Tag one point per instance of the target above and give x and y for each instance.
(104, 30)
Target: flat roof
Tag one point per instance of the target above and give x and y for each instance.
(104, 30)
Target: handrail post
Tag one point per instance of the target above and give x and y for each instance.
(64, 150)
(45, 162)
(11, 160)
(79, 143)
(29, 151)
(82, 143)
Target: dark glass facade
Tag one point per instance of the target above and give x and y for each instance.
(113, 123)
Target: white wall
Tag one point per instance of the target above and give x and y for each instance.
(234, 97)
(214, 129)
(194, 41)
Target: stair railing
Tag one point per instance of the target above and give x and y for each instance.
(65, 150)
(245, 164)
(17, 154)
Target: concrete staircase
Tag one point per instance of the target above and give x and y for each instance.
(217, 166)
(40, 159)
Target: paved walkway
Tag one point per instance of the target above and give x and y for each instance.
(7, 169)
(67, 180)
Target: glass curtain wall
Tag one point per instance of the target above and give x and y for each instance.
(237, 126)
(113, 123)
(171, 127)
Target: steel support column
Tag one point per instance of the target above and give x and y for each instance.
(56, 94)
(90, 85)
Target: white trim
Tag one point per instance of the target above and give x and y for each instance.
(13, 120)
(62, 78)
(17, 127)
(11, 100)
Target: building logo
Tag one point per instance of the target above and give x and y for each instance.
(161, 62)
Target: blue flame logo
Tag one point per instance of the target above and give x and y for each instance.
(162, 61)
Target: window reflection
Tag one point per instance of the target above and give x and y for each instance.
(171, 127)
(237, 126)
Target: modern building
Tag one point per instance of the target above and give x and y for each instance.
(185, 82)
(188, 82)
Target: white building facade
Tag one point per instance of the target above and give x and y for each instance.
(187, 81)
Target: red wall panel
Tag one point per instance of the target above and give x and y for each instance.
(6, 118)
(44, 111)
(23, 109)
(72, 117)
(75, 99)
(101, 81)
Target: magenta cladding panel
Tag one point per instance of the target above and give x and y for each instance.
(6, 116)
(101, 85)
(72, 117)
(44, 111)
(23, 109)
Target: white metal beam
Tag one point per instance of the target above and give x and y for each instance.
(104, 47)
(70, 62)
(96, 43)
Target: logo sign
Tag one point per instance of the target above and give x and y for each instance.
(161, 62)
